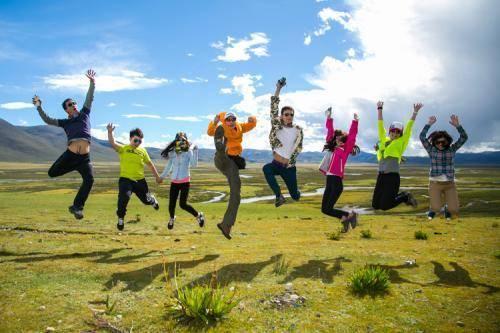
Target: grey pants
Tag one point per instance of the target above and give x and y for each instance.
(229, 169)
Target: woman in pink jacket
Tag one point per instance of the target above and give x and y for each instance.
(338, 146)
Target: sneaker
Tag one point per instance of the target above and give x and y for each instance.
(156, 205)
(170, 224)
(354, 219)
(225, 231)
(279, 200)
(78, 213)
(431, 215)
(411, 201)
(447, 214)
(120, 225)
(345, 223)
(201, 219)
(220, 140)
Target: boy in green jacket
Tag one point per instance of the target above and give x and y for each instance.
(390, 150)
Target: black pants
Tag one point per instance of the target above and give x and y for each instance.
(183, 188)
(70, 161)
(333, 190)
(125, 189)
(386, 194)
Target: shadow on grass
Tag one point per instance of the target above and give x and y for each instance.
(394, 276)
(245, 272)
(317, 269)
(139, 279)
(458, 277)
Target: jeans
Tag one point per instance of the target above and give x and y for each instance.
(289, 175)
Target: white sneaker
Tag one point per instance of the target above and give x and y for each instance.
(201, 219)
(170, 224)
(120, 225)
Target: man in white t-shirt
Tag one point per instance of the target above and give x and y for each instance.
(286, 142)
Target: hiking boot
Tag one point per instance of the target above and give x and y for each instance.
(170, 224)
(201, 219)
(279, 200)
(411, 201)
(78, 213)
(225, 230)
(220, 140)
(120, 225)
(354, 219)
(431, 215)
(447, 214)
(156, 205)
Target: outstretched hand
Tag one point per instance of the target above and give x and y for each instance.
(216, 119)
(432, 120)
(37, 101)
(90, 75)
(356, 117)
(110, 128)
(417, 107)
(380, 105)
(328, 112)
(251, 119)
(454, 120)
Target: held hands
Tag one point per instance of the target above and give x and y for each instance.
(328, 112)
(90, 75)
(454, 120)
(37, 101)
(417, 107)
(356, 117)
(432, 120)
(110, 128)
(159, 180)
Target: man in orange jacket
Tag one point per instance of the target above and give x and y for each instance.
(228, 137)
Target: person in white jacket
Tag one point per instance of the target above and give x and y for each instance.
(179, 161)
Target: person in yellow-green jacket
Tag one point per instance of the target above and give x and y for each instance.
(389, 153)
(132, 180)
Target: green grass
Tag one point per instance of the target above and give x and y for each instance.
(366, 233)
(369, 280)
(49, 259)
(421, 235)
(281, 266)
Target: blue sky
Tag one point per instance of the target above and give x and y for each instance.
(171, 64)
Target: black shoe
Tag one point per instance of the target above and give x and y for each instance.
(78, 213)
(224, 230)
(201, 219)
(120, 225)
(170, 224)
(279, 200)
(354, 220)
(345, 224)
(411, 201)
(430, 215)
(220, 140)
(447, 214)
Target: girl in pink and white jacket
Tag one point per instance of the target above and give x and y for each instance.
(338, 146)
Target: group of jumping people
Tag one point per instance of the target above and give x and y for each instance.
(286, 140)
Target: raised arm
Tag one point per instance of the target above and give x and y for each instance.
(111, 138)
(275, 101)
(409, 126)
(212, 126)
(463, 136)
(46, 119)
(423, 134)
(351, 137)
(329, 124)
(416, 108)
(90, 93)
(380, 125)
(249, 125)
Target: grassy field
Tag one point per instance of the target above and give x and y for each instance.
(54, 269)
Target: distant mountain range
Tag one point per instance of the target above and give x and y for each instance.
(38, 144)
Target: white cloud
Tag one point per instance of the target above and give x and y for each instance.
(195, 80)
(184, 118)
(111, 104)
(16, 105)
(98, 133)
(114, 81)
(135, 115)
(242, 49)
(225, 91)
(327, 16)
(23, 122)
(139, 105)
(351, 52)
(307, 39)
(190, 54)
(105, 124)
(222, 76)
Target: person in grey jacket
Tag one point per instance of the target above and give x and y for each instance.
(179, 161)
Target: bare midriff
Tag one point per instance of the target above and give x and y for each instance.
(80, 147)
(280, 158)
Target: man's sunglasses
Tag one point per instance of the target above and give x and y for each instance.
(70, 104)
(288, 114)
(230, 119)
(137, 140)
